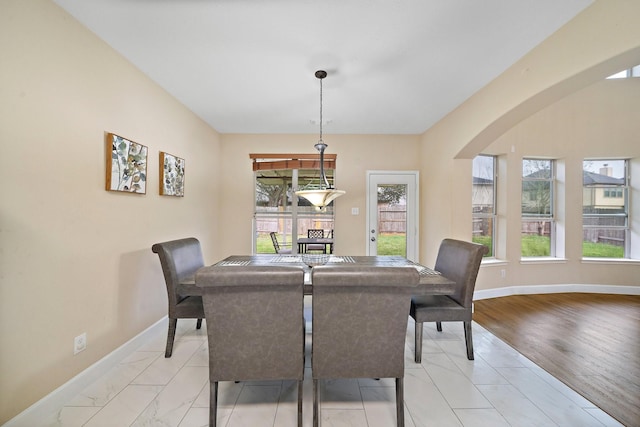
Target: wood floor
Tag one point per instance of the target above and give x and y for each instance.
(591, 342)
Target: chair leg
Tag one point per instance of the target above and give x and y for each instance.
(213, 403)
(468, 339)
(418, 343)
(316, 399)
(300, 403)
(439, 326)
(400, 401)
(199, 324)
(170, 337)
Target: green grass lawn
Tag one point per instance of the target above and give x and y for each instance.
(264, 244)
(484, 240)
(601, 250)
(532, 246)
(392, 244)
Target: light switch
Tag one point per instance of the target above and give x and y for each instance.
(355, 211)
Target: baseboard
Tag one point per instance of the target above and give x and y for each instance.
(45, 407)
(555, 289)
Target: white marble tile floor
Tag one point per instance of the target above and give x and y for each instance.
(500, 388)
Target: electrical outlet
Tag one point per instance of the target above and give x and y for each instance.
(80, 343)
(503, 273)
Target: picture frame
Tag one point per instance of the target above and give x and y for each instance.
(171, 175)
(126, 169)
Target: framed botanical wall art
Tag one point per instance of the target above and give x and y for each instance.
(171, 175)
(126, 165)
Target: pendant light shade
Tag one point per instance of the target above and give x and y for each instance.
(323, 194)
(320, 198)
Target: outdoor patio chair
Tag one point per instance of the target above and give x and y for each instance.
(316, 233)
(277, 246)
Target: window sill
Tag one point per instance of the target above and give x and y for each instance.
(493, 261)
(610, 261)
(543, 260)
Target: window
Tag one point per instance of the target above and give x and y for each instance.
(613, 193)
(483, 201)
(538, 224)
(277, 208)
(605, 208)
(628, 73)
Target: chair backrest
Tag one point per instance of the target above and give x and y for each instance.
(180, 259)
(360, 320)
(460, 261)
(315, 233)
(274, 240)
(255, 322)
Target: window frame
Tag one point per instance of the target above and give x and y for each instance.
(551, 216)
(625, 190)
(296, 211)
(626, 73)
(481, 216)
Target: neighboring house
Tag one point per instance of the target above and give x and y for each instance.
(482, 203)
(603, 207)
(482, 193)
(537, 193)
(602, 191)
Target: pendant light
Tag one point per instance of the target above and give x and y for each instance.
(321, 195)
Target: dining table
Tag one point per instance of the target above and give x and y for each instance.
(431, 282)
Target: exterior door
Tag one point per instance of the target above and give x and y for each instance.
(392, 213)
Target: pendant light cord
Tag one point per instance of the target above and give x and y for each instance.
(320, 146)
(320, 110)
(324, 195)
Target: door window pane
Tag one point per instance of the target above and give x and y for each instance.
(392, 219)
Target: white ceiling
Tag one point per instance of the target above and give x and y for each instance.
(395, 66)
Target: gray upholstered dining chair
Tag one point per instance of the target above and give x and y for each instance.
(359, 325)
(255, 325)
(180, 259)
(459, 261)
(277, 246)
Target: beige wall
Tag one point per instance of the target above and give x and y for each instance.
(601, 121)
(73, 257)
(355, 155)
(601, 40)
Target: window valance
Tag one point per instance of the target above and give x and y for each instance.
(272, 161)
